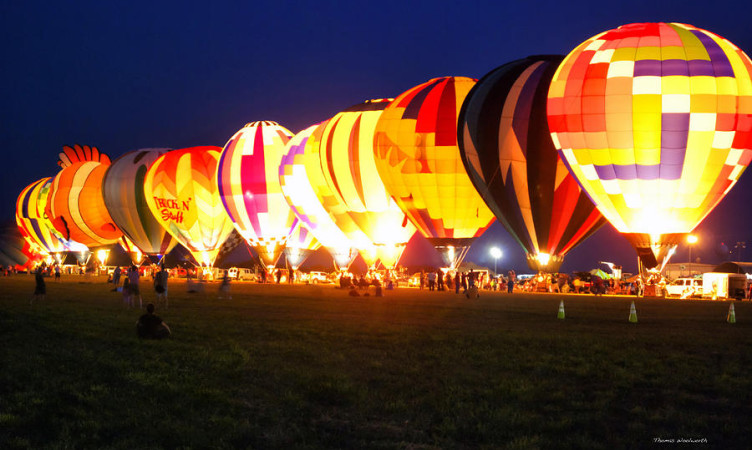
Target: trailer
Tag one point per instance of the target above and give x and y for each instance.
(719, 286)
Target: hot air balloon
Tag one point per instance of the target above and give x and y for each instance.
(417, 156)
(124, 196)
(298, 189)
(181, 192)
(248, 178)
(15, 250)
(347, 159)
(335, 206)
(654, 120)
(31, 218)
(75, 204)
(300, 245)
(507, 151)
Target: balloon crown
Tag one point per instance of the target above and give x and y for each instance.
(78, 153)
(268, 123)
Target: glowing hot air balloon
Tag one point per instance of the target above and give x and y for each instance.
(124, 196)
(75, 204)
(300, 245)
(417, 156)
(655, 122)
(181, 192)
(15, 250)
(507, 150)
(347, 159)
(298, 189)
(32, 220)
(248, 178)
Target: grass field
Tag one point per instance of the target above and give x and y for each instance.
(310, 367)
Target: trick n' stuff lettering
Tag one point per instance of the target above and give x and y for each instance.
(171, 209)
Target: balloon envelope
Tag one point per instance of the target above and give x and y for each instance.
(419, 162)
(75, 204)
(655, 122)
(181, 192)
(298, 189)
(347, 159)
(124, 196)
(507, 150)
(33, 221)
(248, 179)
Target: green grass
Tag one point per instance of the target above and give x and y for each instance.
(310, 367)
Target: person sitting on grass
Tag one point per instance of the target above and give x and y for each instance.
(40, 289)
(151, 326)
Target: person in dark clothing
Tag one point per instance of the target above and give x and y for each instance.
(151, 326)
(40, 289)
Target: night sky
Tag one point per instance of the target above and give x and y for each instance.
(128, 75)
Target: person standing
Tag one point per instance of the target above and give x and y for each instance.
(133, 280)
(512, 280)
(224, 287)
(457, 282)
(160, 286)
(57, 272)
(40, 288)
(431, 280)
(116, 276)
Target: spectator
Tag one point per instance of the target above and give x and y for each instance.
(40, 288)
(160, 286)
(151, 326)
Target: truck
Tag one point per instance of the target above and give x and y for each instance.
(717, 286)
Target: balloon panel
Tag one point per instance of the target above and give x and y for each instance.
(507, 150)
(655, 122)
(419, 163)
(124, 196)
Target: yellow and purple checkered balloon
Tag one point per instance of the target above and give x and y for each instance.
(655, 122)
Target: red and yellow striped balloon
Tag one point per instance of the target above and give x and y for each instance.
(33, 221)
(418, 158)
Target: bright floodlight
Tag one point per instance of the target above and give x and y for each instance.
(692, 239)
(496, 252)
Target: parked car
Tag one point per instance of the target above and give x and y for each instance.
(685, 287)
(317, 278)
(241, 274)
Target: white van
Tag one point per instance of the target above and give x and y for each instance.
(685, 287)
(241, 274)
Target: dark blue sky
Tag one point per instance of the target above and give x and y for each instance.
(129, 75)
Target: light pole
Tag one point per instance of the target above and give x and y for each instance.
(496, 253)
(691, 240)
(739, 246)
